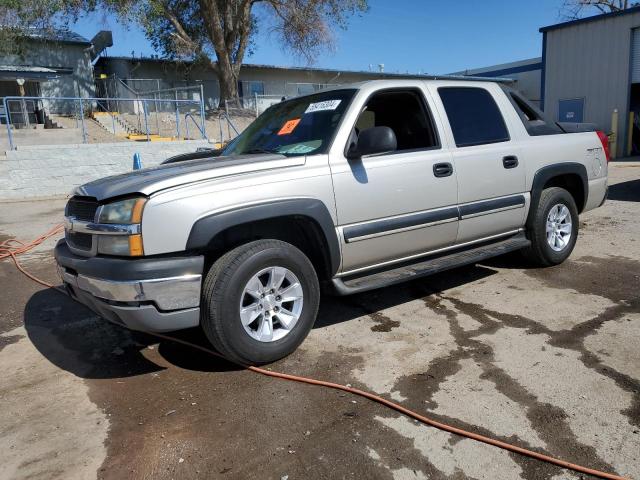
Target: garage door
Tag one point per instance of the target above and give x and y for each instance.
(635, 56)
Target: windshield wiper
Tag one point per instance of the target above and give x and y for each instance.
(261, 150)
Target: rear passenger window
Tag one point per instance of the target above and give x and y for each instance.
(474, 117)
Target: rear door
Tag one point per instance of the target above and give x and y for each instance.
(490, 173)
(399, 204)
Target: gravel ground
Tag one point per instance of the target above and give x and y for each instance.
(545, 358)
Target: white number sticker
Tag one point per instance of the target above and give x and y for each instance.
(320, 106)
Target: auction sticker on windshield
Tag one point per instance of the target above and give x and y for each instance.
(320, 106)
(289, 126)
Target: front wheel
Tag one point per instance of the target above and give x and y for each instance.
(553, 228)
(259, 301)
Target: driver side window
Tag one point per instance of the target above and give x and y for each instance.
(405, 112)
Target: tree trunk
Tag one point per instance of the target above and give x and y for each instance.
(228, 82)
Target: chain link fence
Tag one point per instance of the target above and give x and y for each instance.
(58, 120)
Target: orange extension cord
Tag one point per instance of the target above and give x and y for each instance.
(13, 248)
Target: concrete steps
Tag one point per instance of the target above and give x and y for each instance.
(113, 123)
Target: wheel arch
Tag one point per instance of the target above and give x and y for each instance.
(570, 176)
(304, 222)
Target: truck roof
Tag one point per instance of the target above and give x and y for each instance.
(446, 80)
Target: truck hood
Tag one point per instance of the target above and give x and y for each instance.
(151, 180)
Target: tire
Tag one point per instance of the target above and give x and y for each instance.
(541, 252)
(224, 294)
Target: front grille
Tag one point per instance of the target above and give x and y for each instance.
(82, 208)
(81, 241)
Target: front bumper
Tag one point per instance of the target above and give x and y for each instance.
(152, 294)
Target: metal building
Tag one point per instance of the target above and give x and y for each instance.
(525, 74)
(591, 73)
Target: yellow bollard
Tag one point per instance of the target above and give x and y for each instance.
(630, 134)
(613, 144)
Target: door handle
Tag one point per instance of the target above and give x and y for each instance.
(443, 169)
(510, 161)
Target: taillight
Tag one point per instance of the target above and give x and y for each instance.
(605, 143)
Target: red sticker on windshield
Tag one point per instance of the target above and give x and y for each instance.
(289, 127)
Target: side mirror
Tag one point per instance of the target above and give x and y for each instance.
(373, 140)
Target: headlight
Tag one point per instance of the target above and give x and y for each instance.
(124, 211)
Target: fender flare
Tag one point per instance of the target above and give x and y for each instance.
(206, 228)
(545, 174)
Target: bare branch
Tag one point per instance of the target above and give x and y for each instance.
(180, 33)
(574, 9)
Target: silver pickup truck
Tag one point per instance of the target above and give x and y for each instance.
(350, 189)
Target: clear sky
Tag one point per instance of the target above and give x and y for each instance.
(418, 36)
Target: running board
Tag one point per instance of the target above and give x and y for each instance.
(429, 266)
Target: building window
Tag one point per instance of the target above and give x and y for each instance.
(474, 117)
(256, 88)
(571, 110)
(250, 88)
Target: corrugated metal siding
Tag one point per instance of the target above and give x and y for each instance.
(635, 56)
(592, 60)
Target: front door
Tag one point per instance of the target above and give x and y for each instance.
(399, 204)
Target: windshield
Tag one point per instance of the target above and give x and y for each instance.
(300, 126)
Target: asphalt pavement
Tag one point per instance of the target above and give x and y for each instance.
(545, 358)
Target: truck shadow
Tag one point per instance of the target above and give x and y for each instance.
(75, 339)
(625, 191)
(334, 310)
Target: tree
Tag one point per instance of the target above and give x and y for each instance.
(219, 33)
(574, 9)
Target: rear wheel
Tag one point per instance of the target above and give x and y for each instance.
(259, 301)
(553, 228)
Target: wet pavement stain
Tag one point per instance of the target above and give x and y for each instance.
(366, 303)
(384, 323)
(616, 278)
(210, 401)
(547, 420)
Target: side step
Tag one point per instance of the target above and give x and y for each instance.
(429, 266)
